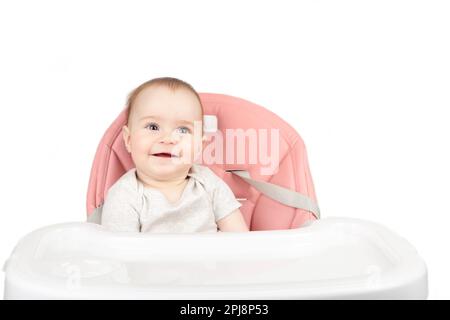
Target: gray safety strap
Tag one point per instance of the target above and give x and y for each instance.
(96, 216)
(280, 194)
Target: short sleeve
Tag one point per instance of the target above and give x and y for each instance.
(119, 212)
(224, 201)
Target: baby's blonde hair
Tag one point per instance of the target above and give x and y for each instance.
(169, 82)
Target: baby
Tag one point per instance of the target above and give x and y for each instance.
(167, 192)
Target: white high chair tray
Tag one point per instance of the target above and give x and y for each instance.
(331, 258)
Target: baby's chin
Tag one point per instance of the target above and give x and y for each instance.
(167, 169)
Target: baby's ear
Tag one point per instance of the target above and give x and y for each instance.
(126, 137)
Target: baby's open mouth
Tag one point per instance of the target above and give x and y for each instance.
(165, 155)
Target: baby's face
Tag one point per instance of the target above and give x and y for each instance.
(164, 132)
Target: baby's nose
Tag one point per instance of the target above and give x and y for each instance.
(170, 138)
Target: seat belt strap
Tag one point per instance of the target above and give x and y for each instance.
(283, 195)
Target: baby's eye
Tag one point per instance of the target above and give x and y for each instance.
(184, 130)
(152, 126)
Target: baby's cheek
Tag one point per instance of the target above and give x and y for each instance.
(138, 152)
(187, 147)
(139, 148)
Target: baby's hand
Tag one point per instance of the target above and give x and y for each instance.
(233, 222)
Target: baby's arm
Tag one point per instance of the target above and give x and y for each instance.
(233, 222)
(226, 208)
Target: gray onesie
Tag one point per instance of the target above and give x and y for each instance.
(130, 206)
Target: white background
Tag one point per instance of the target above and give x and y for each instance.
(365, 83)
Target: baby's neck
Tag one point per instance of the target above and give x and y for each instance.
(152, 182)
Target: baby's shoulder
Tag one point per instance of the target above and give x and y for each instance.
(205, 175)
(126, 185)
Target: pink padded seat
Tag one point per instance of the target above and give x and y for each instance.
(260, 212)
